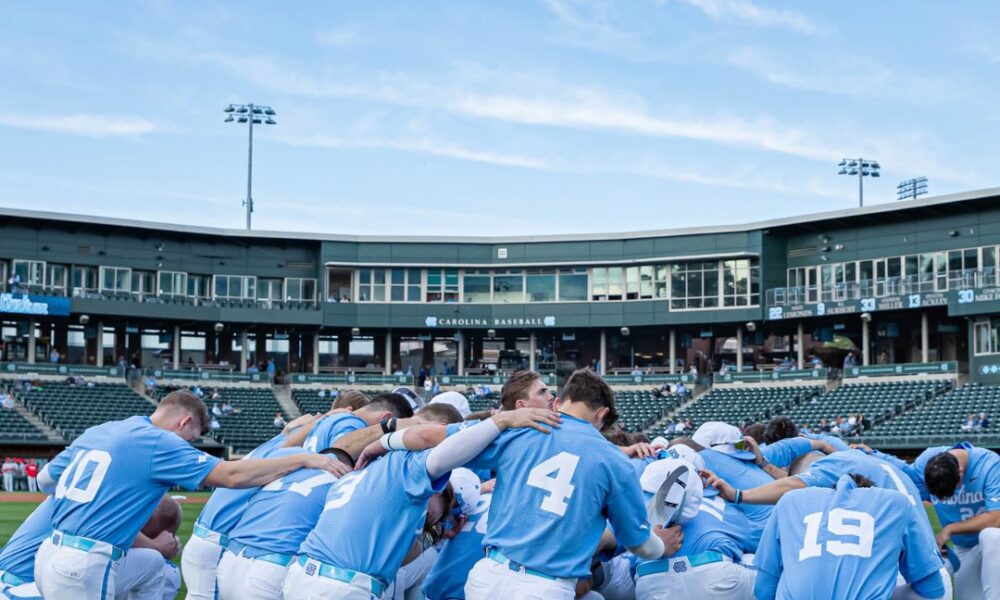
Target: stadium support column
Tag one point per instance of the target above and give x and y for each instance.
(31, 341)
(244, 351)
(865, 344)
(177, 347)
(673, 350)
(388, 352)
(739, 349)
(925, 341)
(344, 349)
(801, 346)
(100, 344)
(604, 353)
(315, 353)
(460, 363)
(532, 344)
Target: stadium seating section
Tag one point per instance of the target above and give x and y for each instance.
(639, 409)
(745, 404)
(253, 424)
(879, 402)
(71, 409)
(946, 414)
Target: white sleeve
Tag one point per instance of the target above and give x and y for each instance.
(652, 548)
(45, 481)
(460, 448)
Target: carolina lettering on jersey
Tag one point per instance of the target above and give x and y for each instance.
(979, 492)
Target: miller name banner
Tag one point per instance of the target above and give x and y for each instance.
(490, 322)
(26, 304)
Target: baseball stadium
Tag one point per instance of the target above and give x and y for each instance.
(875, 326)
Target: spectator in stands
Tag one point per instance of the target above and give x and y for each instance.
(150, 385)
(31, 472)
(396, 371)
(970, 424)
(428, 389)
(53, 356)
(806, 429)
(9, 469)
(852, 425)
(883, 358)
(321, 394)
(272, 370)
(216, 395)
(332, 299)
(409, 370)
(862, 424)
(214, 424)
(843, 427)
(279, 421)
(190, 362)
(665, 390)
(824, 427)
(197, 391)
(6, 400)
(681, 389)
(229, 409)
(849, 360)
(786, 365)
(253, 369)
(984, 422)
(671, 426)
(216, 411)
(815, 362)
(15, 283)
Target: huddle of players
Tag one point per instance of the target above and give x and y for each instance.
(559, 510)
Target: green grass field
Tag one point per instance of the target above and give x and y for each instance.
(12, 514)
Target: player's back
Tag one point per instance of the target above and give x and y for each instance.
(446, 579)
(743, 474)
(974, 496)
(838, 544)
(281, 514)
(331, 428)
(554, 494)
(718, 527)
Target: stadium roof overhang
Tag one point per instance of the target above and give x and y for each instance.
(879, 214)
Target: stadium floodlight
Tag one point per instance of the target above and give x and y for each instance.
(862, 168)
(911, 188)
(252, 114)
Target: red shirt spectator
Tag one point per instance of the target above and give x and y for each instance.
(31, 469)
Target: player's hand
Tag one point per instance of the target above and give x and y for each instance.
(488, 486)
(536, 418)
(753, 447)
(455, 526)
(640, 450)
(327, 463)
(672, 538)
(942, 538)
(167, 544)
(371, 452)
(727, 491)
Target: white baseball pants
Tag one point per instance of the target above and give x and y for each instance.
(64, 573)
(723, 580)
(241, 577)
(140, 575)
(300, 586)
(198, 566)
(490, 580)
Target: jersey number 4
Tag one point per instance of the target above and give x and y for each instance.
(555, 476)
(847, 523)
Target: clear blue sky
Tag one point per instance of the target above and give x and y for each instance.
(523, 117)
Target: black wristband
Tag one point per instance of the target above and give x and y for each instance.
(384, 424)
(392, 424)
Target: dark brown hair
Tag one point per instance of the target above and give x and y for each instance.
(189, 403)
(517, 388)
(589, 388)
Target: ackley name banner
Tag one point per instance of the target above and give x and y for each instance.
(26, 304)
(493, 322)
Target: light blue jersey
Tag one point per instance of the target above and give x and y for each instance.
(446, 579)
(554, 494)
(744, 475)
(330, 429)
(838, 444)
(372, 517)
(848, 542)
(784, 452)
(112, 477)
(979, 492)
(18, 556)
(281, 514)
(225, 506)
(720, 527)
(827, 471)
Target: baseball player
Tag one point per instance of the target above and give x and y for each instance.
(847, 542)
(525, 389)
(446, 579)
(107, 483)
(142, 571)
(716, 536)
(393, 497)
(276, 520)
(210, 535)
(781, 428)
(963, 483)
(332, 427)
(553, 497)
(729, 455)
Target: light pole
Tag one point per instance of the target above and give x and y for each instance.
(862, 168)
(911, 188)
(250, 114)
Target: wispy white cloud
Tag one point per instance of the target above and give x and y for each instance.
(92, 125)
(340, 37)
(745, 12)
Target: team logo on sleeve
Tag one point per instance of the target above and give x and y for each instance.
(202, 458)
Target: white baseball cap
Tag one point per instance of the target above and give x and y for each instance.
(676, 488)
(467, 489)
(416, 402)
(453, 399)
(682, 452)
(660, 441)
(724, 438)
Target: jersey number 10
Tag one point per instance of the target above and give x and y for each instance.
(68, 486)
